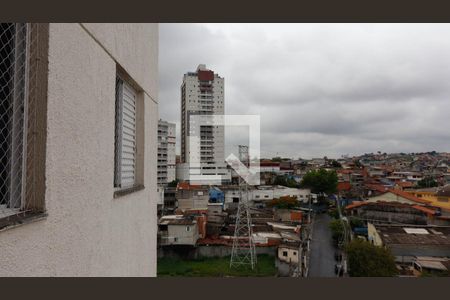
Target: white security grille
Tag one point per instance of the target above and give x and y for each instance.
(17, 83)
(125, 162)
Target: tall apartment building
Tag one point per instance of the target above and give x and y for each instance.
(78, 123)
(166, 152)
(202, 93)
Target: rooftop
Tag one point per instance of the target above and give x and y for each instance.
(414, 235)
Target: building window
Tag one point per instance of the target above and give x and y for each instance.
(285, 253)
(125, 135)
(188, 228)
(22, 119)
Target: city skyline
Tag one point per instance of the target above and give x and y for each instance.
(346, 89)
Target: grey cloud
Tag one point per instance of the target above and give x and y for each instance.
(321, 88)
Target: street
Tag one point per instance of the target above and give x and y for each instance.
(322, 250)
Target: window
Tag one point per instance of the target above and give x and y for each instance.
(125, 137)
(22, 117)
(285, 253)
(188, 228)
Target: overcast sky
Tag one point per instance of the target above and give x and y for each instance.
(320, 89)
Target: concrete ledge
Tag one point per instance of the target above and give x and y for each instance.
(127, 191)
(21, 219)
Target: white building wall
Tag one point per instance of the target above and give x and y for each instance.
(289, 255)
(182, 234)
(88, 232)
(193, 103)
(166, 152)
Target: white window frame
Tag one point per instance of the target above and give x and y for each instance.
(125, 135)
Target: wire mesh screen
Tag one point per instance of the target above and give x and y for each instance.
(17, 115)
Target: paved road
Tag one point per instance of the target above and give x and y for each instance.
(322, 250)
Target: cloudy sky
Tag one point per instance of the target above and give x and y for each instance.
(320, 89)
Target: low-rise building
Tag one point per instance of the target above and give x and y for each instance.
(289, 252)
(411, 240)
(392, 212)
(192, 196)
(437, 196)
(177, 230)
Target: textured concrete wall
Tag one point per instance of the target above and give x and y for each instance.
(87, 231)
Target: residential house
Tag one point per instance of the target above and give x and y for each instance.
(192, 196)
(410, 240)
(437, 196)
(178, 230)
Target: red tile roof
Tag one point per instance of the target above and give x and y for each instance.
(356, 204)
(418, 207)
(344, 171)
(187, 186)
(425, 210)
(404, 184)
(377, 187)
(408, 196)
(344, 186)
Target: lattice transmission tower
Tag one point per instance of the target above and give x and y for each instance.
(243, 252)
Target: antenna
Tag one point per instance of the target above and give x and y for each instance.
(243, 251)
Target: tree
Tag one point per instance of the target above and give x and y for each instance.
(285, 181)
(336, 164)
(354, 222)
(284, 202)
(320, 181)
(337, 230)
(367, 260)
(427, 182)
(173, 183)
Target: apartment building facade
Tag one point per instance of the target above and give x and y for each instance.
(79, 117)
(166, 152)
(202, 94)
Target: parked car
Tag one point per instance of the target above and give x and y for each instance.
(338, 256)
(338, 269)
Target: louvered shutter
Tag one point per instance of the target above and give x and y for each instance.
(125, 135)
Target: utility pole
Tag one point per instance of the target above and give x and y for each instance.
(243, 251)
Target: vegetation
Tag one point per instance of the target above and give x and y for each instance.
(427, 182)
(284, 202)
(337, 230)
(354, 222)
(357, 163)
(333, 213)
(214, 267)
(320, 181)
(367, 260)
(285, 181)
(335, 164)
(173, 183)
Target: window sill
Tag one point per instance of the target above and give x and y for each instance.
(21, 219)
(127, 191)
